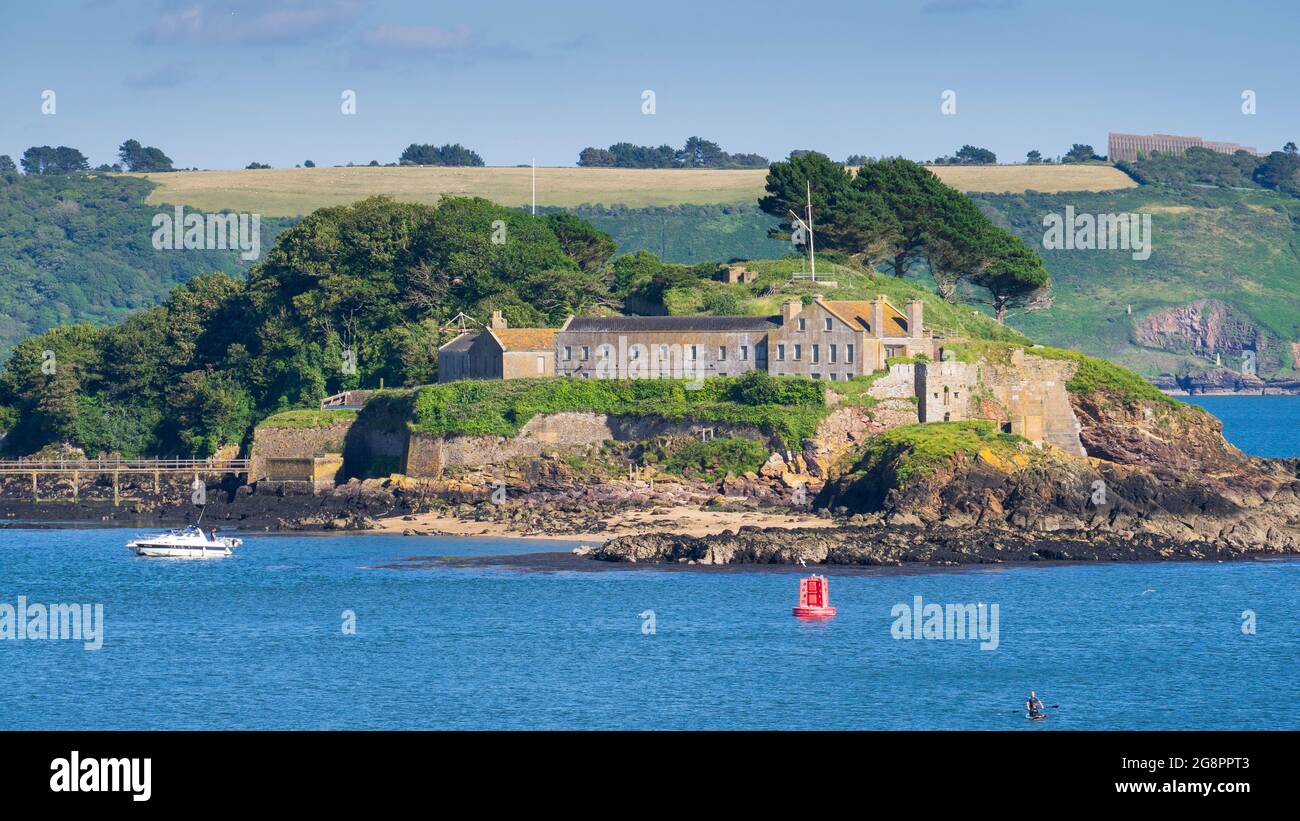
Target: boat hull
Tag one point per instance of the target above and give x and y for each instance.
(154, 551)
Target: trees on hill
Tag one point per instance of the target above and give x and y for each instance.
(1080, 152)
(450, 154)
(898, 211)
(969, 155)
(136, 157)
(377, 278)
(697, 152)
(45, 160)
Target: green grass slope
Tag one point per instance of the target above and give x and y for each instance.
(1238, 247)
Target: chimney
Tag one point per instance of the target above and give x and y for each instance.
(498, 321)
(789, 310)
(878, 316)
(915, 312)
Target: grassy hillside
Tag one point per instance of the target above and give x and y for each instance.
(1238, 247)
(775, 284)
(297, 191)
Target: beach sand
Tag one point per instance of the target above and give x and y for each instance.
(691, 521)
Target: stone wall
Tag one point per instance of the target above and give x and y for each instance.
(294, 443)
(428, 455)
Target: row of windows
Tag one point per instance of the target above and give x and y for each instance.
(635, 352)
(816, 351)
(803, 324)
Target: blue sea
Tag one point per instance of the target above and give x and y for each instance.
(260, 640)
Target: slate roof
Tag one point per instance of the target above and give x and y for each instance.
(461, 343)
(670, 324)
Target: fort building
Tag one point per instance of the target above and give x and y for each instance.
(498, 352)
(840, 339)
(621, 347)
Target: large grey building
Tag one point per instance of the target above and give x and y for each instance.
(622, 347)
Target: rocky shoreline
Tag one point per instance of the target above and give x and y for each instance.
(896, 546)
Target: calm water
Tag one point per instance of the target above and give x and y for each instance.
(256, 640)
(1260, 425)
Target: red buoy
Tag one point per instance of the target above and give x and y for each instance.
(814, 599)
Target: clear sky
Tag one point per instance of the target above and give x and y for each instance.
(221, 84)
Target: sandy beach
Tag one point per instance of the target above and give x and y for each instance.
(690, 521)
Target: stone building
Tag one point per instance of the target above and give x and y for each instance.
(1027, 396)
(498, 352)
(1125, 147)
(840, 339)
(620, 347)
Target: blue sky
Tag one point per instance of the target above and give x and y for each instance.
(222, 84)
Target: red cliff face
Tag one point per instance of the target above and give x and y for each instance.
(1208, 328)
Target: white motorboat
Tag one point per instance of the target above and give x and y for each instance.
(189, 543)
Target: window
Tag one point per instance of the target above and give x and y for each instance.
(694, 353)
(798, 352)
(817, 353)
(816, 376)
(833, 347)
(832, 376)
(663, 353)
(541, 364)
(744, 353)
(780, 353)
(848, 353)
(803, 324)
(568, 352)
(722, 353)
(585, 352)
(829, 323)
(635, 352)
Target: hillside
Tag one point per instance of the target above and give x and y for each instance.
(297, 191)
(78, 249)
(1220, 280)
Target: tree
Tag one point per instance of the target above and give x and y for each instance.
(43, 160)
(1280, 171)
(971, 155)
(1033, 157)
(582, 242)
(1079, 153)
(7, 164)
(256, 166)
(1012, 272)
(136, 157)
(789, 183)
(452, 154)
(1289, 148)
(596, 158)
(308, 164)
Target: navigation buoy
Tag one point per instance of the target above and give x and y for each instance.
(814, 599)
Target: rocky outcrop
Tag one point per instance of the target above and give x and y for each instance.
(878, 544)
(1211, 329)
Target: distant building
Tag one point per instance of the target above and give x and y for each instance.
(498, 352)
(619, 347)
(840, 339)
(737, 274)
(1125, 147)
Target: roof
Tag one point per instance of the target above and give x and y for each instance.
(669, 324)
(857, 313)
(461, 343)
(525, 339)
